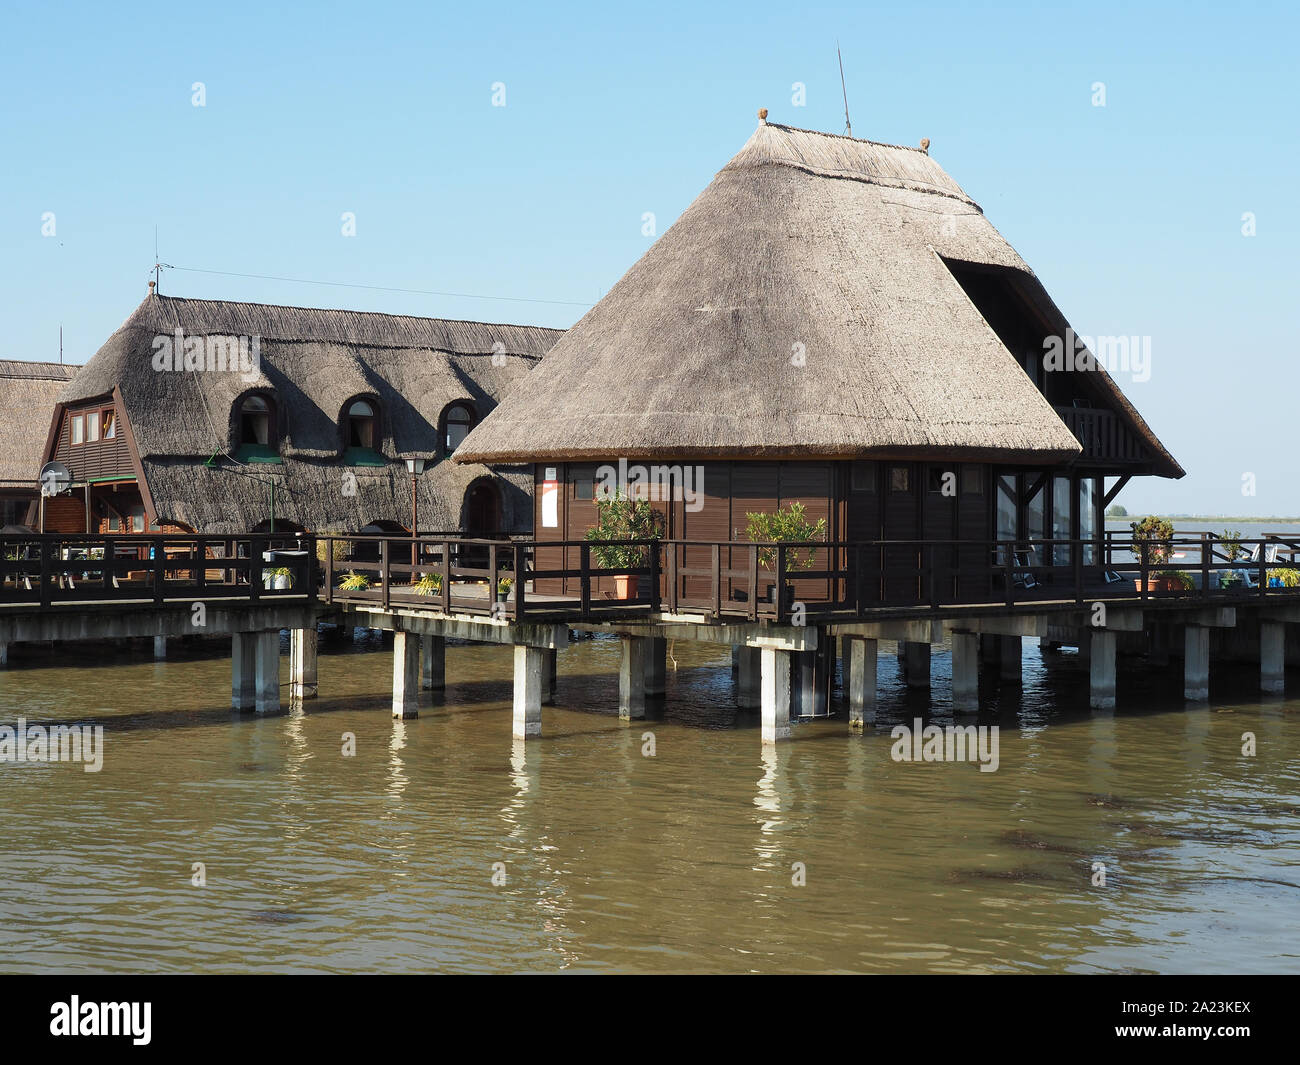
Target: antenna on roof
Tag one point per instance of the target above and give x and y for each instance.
(155, 286)
(848, 126)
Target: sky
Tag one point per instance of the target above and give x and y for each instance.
(513, 151)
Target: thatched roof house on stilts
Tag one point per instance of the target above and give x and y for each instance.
(832, 322)
(222, 418)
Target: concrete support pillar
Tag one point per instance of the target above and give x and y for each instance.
(302, 663)
(860, 678)
(1010, 659)
(433, 663)
(530, 664)
(160, 647)
(775, 669)
(748, 680)
(965, 671)
(656, 666)
(631, 678)
(267, 671)
(990, 649)
(735, 661)
(1196, 663)
(549, 672)
(406, 675)
(916, 664)
(4, 655)
(243, 671)
(803, 683)
(1101, 670)
(1272, 656)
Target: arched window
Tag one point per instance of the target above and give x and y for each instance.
(359, 425)
(258, 441)
(457, 420)
(255, 421)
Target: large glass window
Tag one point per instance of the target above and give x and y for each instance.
(1035, 522)
(78, 432)
(1062, 510)
(1089, 497)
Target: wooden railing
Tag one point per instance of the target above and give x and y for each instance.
(785, 582)
(49, 569)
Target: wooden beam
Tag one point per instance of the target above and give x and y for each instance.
(1119, 485)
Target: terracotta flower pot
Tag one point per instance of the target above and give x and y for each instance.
(625, 587)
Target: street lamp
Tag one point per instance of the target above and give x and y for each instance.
(414, 467)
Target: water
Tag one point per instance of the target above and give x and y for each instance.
(384, 862)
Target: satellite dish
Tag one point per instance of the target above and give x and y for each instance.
(55, 479)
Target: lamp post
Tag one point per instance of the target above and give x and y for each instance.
(414, 467)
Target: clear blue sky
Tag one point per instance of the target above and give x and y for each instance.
(1130, 213)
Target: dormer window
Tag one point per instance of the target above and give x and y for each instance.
(361, 433)
(258, 440)
(361, 424)
(457, 420)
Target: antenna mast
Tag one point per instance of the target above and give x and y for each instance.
(848, 126)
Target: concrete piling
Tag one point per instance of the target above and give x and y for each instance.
(1101, 670)
(775, 669)
(433, 663)
(1196, 663)
(530, 662)
(632, 678)
(267, 671)
(860, 677)
(302, 663)
(406, 675)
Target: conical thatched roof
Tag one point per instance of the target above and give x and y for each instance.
(312, 361)
(804, 243)
(28, 392)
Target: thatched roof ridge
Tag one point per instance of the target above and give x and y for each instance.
(311, 361)
(834, 155)
(28, 392)
(804, 245)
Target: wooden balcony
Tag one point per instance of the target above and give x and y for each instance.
(1103, 435)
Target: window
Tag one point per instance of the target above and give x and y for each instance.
(972, 480)
(114, 523)
(941, 482)
(457, 421)
(137, 517)
(900, 479)
(92, 426)
(584, 488)
(78, 430)
(863, 477)
(109, 425)
(359, 425)
(255, 422)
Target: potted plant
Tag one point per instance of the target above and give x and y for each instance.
(620, 518)
(429, 584)
(787, 526)
(1231, 580)
(1174, 580)
(278, 579)
(1286, 577)
(354, 582)
(503, 588)
(1154, 534)
(1230, 541)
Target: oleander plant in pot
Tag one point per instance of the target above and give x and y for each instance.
(619, 518)
(354, 582)
(789, 525)
(1153, 537)
(504, 585)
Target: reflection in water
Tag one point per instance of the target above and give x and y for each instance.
(618, 859)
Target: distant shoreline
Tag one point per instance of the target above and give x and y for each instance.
(1242, 519)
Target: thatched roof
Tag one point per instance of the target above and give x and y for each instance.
(804, 242)
(28, 392)
(312, 361)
